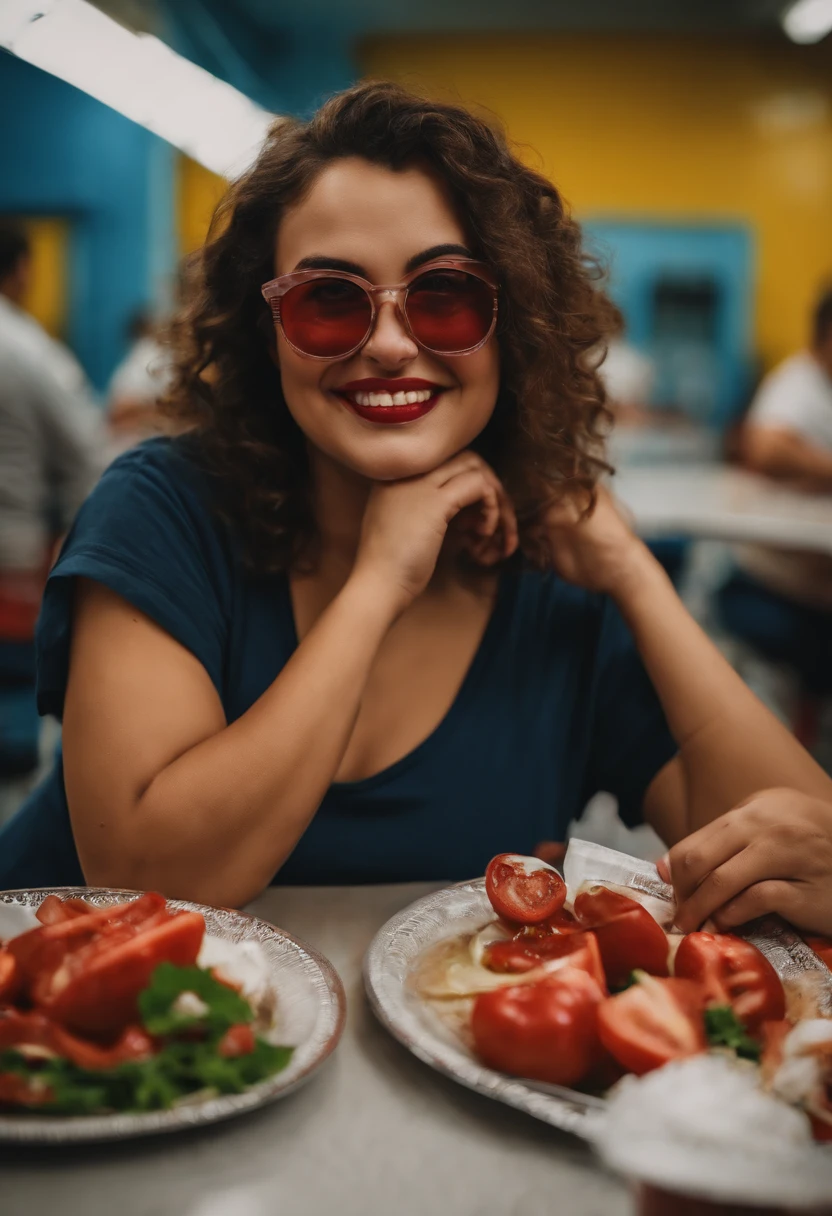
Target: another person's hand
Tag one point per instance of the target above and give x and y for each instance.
(406, 522)
(772, 853)
(600, 551)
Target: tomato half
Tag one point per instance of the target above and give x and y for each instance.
(238, 1040)
(822, 947)
(524, 890)
(16, 1090)
(11, 981)
(34, 1030)
(653, 1022)
(527, 951)
(97, 993)
(547, 1031)
(54, 910)
(732, 972)
(628, 936)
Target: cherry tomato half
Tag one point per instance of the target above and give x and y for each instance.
(547, 1031)
(732, 972)
(628, 936)
(653, 1022)
(11, 981)
(524, 890)
(527, 951)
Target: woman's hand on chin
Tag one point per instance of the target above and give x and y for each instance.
(406, 522)
(598, 551)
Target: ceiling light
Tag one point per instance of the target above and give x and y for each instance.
(141, 77)
(808, 20)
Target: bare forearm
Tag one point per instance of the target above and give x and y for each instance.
(731, 746)
(222, 818)
(785, 454)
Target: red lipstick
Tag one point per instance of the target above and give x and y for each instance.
(374, 398)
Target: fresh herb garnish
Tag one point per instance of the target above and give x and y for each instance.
(724, 1029)
(225, 1006)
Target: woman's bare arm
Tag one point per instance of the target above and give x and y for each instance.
(162, 792)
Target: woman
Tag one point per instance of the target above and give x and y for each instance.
(295, 642)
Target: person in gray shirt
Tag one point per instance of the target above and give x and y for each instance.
(52, 449)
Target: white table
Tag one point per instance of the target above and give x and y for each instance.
(374, 1133)
(720, 502)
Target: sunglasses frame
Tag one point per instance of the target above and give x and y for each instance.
(274, 291)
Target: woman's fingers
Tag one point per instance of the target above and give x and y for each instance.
(760, 899)
(698, 855)
(724, 883)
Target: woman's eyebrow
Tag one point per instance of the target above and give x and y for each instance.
(437, 251)
(320, 261)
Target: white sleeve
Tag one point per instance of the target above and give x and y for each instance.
(786, 398)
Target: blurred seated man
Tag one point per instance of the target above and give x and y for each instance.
(780, 601)
(628, 377)
(51, 451)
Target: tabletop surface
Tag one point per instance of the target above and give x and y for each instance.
(374, 1133)
(725, 503)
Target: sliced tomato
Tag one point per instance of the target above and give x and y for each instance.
(547, 1031)
(527, 951)
(822, 947)
(524, 890)
(237, 1041)
(628, 936)
(11, 980)
(35, 1030)
(653, 1022)
(16, 1090)
(99, 996)
(54, 910)
(733, 972)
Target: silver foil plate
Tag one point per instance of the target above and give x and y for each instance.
(311, 1007)
(390, 960)
(465, 908)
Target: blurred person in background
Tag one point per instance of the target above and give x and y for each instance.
(136, 386)
(629, 377)
(780, 601)
(51, 451)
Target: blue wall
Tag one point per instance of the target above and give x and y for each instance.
(63, 153)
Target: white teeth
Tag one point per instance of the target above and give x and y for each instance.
(376, 400)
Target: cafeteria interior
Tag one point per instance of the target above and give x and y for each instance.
(693, 146)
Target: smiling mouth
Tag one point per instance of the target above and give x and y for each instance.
(381, 406)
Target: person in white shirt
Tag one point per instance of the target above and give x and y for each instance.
(629, 378)
(52, 449)
(781, 600)
(137, 384)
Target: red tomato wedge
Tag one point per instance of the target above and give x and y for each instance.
(16, 1090)
(822, 947)
(524, 890)
(653, 1022)
(732, 972)
(35, 1030)
(54, 910)
(11, 981)
(628, 937)
(527, 951)
(547, 1031)
(97, 993)
(237, 1041)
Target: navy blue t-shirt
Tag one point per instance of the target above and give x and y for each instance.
(555, 706)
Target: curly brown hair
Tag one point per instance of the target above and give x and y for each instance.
(546, 435)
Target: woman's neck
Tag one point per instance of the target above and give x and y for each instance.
(339, 497)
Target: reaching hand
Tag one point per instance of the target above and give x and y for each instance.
(598, 552)
(772, 853)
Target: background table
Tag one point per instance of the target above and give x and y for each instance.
(723, 503)
(374, 1133)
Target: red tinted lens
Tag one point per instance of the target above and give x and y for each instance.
(326, 317)
(450, 310)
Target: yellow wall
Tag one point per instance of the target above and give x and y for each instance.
(199, 191)
(663, 128)
(46, 298)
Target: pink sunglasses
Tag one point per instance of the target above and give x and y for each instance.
(448, 307)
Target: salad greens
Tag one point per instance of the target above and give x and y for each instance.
(724, 1029)
(188, 1059)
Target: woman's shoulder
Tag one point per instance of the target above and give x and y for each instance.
(164, 461)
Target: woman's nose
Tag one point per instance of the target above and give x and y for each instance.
(390, 345)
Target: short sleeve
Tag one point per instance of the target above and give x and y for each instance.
(630, 739)
(147, 532)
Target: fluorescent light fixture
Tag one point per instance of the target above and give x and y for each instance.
(808, 20)
(141, 77)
